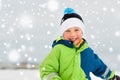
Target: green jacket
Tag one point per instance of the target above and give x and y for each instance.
(63, 63)
(66, 62)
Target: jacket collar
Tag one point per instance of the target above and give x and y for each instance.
(60, 40)
(67, 43)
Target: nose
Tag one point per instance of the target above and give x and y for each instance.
(72, 34)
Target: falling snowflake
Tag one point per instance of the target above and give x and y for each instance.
(52, 5)
(48, 32)
(26, 22)
(110, 49)
(104, 9)
(26, 55)
(29, 58)
(13, 55)
(117, 33)
(46, 46)
(3, 26)
(92, 36)
(112, 10)
(7, 45)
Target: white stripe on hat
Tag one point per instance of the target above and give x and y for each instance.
(72, 22)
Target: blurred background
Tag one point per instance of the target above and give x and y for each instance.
(28, 28)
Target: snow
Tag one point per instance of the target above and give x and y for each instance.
(26, 21)
(19, 75)
(52, 5)
(28, 27)
(117, 33)
(14, 55)
(26, 74)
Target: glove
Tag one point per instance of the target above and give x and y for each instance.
(116, 77)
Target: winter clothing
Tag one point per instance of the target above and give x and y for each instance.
(69, 62)
(66, 62)
(71, 19)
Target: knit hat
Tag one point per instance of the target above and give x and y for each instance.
(71, 19)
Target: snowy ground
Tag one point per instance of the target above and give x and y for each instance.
(26, 75)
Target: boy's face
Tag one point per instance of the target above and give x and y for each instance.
(73, 34)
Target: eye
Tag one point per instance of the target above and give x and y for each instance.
(77, 30)
(67, 31)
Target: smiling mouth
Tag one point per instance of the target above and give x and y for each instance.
(73, 39)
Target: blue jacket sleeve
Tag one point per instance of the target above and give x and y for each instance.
(100, 69)
(96, 65)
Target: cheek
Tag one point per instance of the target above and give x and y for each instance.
(66, 36)
(80, 35)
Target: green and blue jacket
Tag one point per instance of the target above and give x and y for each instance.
(67, 62)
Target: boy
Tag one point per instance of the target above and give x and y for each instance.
(70, 57)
